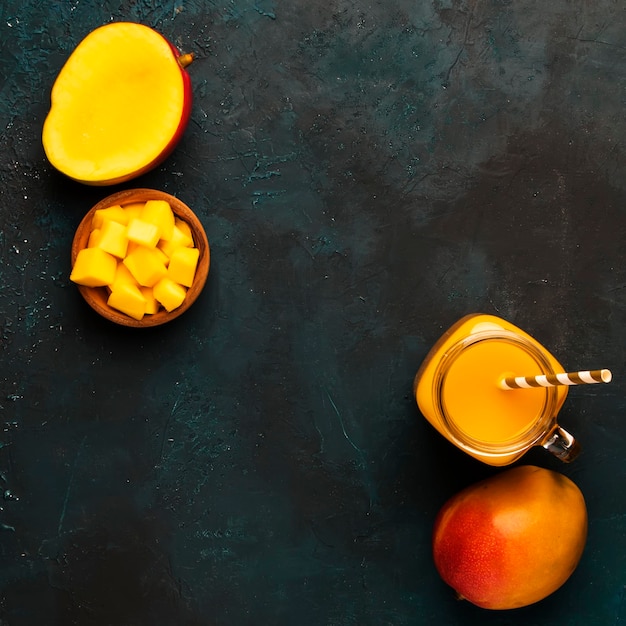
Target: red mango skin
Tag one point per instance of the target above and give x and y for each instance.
(512, 539)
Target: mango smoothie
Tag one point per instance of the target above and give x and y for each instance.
(457, 390)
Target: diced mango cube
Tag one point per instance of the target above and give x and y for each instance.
(113, 238)
(142, 232)
(94, 237)
(169, 293)
(182, 266)
(93, 268)
(160, 254)
(132, 246)
(152, 304)
(128, 299)
(133, 210)
(159, 213)
(184, 226)
(166, 262)
(179, 239)
(115, 213)
(123, 277)
(145, 265)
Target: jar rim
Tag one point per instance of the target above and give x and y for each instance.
(523, 441)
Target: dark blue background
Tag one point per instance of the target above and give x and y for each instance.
(367, 173)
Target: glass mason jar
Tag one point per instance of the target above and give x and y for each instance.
(457, 391)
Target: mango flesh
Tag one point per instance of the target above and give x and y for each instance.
(94, 268)
(169, 293)
(179, 238)
(145, 265)
(182, 265)
(115, 213)
(129, 299)
(118, 106)
(159, 212)
(113, 238)
(512, 539)
(142, 232)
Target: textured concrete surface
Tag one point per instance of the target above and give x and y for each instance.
(367, 173)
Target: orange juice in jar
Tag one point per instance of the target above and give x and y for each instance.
(457, 390)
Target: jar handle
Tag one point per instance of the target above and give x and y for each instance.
(563, 445)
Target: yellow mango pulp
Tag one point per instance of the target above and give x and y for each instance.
(142, 232)
(93, 268)
(169, 293)
(123, 277)
(184, 227)
(94, 237)
(164, 257)
(145, 265)
(152, 304)
(182, 266)
(133, 210)
(128, 299)
(113, 238)
(159, 213)
(179, 239)
(115, 213)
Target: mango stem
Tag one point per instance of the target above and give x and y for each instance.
(185, 59)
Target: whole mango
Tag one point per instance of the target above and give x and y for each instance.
(511, 539)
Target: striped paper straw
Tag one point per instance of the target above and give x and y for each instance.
(588, 377)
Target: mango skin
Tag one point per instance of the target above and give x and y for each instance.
(512, 539)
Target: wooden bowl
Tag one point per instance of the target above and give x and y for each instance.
(97, 297)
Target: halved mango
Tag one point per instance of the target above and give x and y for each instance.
(118, 106)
